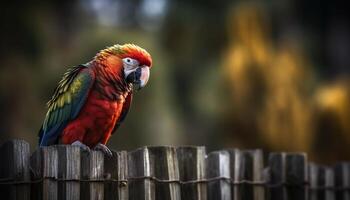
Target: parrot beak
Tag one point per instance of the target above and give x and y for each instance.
(139, 77)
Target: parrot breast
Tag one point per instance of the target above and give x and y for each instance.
(95, 122)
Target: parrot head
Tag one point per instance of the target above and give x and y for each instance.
(130, 61)
(136, 65)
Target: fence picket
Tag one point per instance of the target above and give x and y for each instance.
(218, 169)
(248, 168)
(296, 176)
(44, 165)
(68, 169)
(321, 181)
(92, 169)
(287, 176)
(166, 168)
(192, 168)
(139, 165)
(15, 156)
(329, 183)
(342, 181)
(315, 181)
(276, 177)
(116, 171)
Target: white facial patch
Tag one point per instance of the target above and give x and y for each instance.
(130, 65)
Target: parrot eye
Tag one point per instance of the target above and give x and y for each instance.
(130, 62)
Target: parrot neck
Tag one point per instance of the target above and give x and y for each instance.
(110, 82)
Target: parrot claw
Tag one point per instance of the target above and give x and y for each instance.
(81, 145)
(104, 149)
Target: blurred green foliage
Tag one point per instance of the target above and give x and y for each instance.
(249, 74)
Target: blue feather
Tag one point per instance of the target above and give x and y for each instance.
(60, 115)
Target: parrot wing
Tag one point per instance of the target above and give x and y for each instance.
(66, 103)
(124, 112)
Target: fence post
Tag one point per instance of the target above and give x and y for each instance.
(192, 168)
(288, 176)
(296, 176)
(92, 167)
(342, 181)
(15, 167)
(139, 168)
(44, 165)
(166, 168)
(247, 169)
(329, 183)
(321, 181)
(68, 172)
(277, 176)
(315, 181)
(218, 170)
(116, 170)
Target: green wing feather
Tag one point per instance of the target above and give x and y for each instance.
(66, 102)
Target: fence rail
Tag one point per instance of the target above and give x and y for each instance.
(165, 173)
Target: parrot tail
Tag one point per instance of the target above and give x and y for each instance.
(40, 134)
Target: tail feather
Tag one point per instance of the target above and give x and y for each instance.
(50, 137)
(40, 134)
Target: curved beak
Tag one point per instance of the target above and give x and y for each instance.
(139, 77)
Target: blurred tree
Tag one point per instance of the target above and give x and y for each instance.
(22, 48)
(282, 83)
(332, 119)
(193, 35)
(273, 89)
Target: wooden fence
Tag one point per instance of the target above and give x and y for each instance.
(165, 173)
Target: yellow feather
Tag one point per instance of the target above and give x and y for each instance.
(68, 98)
(76, 85)
(61, 101)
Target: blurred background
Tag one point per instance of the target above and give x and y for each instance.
(232, 73)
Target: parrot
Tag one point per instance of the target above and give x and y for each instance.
(93, 99)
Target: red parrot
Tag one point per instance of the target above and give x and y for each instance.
(92, 99)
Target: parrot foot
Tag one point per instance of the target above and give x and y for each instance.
(104, 149)
(81, 145)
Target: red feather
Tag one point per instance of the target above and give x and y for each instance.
(95, 123)
(138, 53)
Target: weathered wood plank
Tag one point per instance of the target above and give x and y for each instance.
(315, 180)
(247, 169)
(111, 173)
(342, 181)
(276, 177)
(258, 176)
(289, 170)
(218, 167)
(166, 167)
(192, 168)
(44, 165)
(329, 183)
(296, 176)
(68, 172)
(139, 168)
(92, 170)
(123, 175)
(15, 155)
(116, 170)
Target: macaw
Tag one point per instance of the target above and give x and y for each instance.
(93, 99)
